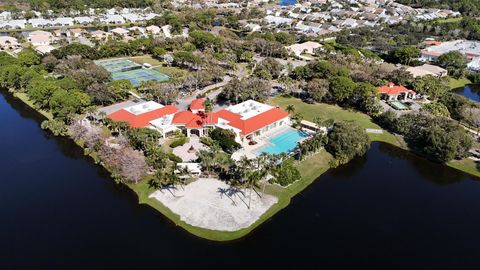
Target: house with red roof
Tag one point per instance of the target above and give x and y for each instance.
(145, 115)
(247, 120)
(197, 105)
(396, 92)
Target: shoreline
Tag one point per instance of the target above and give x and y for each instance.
(283, 194)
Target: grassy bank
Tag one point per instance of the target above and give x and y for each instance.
(337, 113)
(458, 83)
(23, 97)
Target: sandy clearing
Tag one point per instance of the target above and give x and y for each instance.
(204, 204)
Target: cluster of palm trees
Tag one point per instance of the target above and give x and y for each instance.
(243, 174)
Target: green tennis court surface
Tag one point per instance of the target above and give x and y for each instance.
(137, 76)
(397, 105)
(118, 65)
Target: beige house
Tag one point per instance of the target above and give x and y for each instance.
(100, 35)
(153, 29)
(120, 32)
(39, 37)
(427, 69)
(8, 43)
(306, 47)
(77, 32)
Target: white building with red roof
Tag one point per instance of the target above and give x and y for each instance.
(396, 92)
(248, 119)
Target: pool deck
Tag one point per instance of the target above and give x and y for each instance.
(251, 151)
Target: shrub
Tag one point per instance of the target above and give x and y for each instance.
(178, 142)
(225, 138)
(174, 158)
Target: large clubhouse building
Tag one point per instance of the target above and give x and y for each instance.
(247, 120)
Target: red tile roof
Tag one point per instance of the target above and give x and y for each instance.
(392, 89)
(425, 52)
(191, 120)
(142, 120)
(197, 104)
(254, 123)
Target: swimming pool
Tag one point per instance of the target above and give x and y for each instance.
(283, 142)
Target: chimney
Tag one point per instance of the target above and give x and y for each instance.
(391, 84)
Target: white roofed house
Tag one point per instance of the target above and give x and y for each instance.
(114, 19)
(44, 49)
(120, 32)
(83, 20)
(13, 24)
(8, 43)
(63, 21)
(132, 17)
(307, 47)
(38, 23)
(167, 31)
(253, 27)
(153, 30)
(5, 15)
(278, 21)
(39, 37)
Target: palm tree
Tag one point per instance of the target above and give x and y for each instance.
(206, 160)
(290, 109)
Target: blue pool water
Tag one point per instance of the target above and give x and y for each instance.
(287, 2)
(283, 142)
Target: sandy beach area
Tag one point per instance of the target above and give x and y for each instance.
(210, 204)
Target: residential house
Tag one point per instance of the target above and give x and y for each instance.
(83, 20)
(427, 69)
(306, 47)
(247, 120)
(63, 21)
(39, 37)
(253, 27)
(119, 32)
(40, 23)
(153, 30)
(77, 32)
(44, 49)
(100, 35)
(396, 92)
(8, 43)
(114, 19)
(13, 24)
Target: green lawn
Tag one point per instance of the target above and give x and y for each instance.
(467, 165)
(337, 113)
(447, 20)
(145, 59)
(172, 72)
(458, 83)
(23, 97)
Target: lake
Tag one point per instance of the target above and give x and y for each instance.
(387, 210)
(471, 91)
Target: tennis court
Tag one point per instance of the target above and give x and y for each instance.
(118, 65)
(137, 76)
(398, 105)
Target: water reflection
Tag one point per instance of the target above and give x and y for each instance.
(471, 91)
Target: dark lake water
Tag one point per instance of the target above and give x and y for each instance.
(471, 91)
(387, 210)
